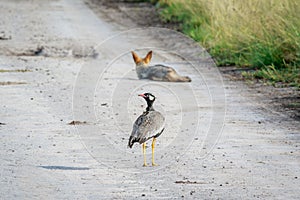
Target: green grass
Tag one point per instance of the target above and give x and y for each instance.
(286, 76)
(264, 35)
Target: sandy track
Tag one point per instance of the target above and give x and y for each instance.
(220, 141)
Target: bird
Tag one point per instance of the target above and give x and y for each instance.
(150, 124)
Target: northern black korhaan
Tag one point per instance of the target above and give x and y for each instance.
(148, 125)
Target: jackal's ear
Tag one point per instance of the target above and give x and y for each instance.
(148, 57)
(136, 58)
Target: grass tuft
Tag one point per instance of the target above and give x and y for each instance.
(286, 76)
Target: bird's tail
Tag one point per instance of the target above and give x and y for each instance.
(131, 141)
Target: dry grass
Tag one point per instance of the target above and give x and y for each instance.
(12, 83)
(14, 70)
(246, 33)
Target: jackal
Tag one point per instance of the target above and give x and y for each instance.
(156, 72)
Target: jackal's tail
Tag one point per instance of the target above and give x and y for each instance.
(184, 79)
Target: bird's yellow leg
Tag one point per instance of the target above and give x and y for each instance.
(153, 146)
(144, 153)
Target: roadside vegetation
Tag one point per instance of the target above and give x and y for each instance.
(256, 34)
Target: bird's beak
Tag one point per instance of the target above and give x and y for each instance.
(142, 95)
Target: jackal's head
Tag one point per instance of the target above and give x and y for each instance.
(142, 61)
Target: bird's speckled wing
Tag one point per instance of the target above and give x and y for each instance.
(148, 125)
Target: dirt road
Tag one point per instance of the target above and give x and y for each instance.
(63, 64)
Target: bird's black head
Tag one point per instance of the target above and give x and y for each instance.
(150, 98)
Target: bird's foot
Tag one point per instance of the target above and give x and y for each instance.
(154, 164)
(145, 165)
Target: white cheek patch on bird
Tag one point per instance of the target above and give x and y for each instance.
(151, 98)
